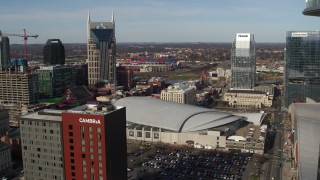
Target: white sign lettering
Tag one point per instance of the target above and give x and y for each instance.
(299, 34)
(91, 121)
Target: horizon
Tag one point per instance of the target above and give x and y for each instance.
(156, 21)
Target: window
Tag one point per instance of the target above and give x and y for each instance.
(99, 136)
(90, 136)
(72, 160)
(100, 164)
(99, 151)
(147, 134)
(99, 143)
(83, 142)
(91, 149)
(91, 156)
(98, 130)
(72, 154)
(91, 143)
(90, 129)
(81, 128)
(72, 168)
(73, 174)
(84, 162)
(139, 134)
(83, 149)
(83, 156)
(70, 140)
(71, 148)
(92, 163)
(84, 169)
(70, 133)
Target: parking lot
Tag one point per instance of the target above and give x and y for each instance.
(161, 161)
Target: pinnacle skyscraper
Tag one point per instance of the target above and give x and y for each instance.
(243, 61)
(101, 49)
(302, 66)
(4, 52)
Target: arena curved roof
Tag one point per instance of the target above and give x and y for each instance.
(173, 116)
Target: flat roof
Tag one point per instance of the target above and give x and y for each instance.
(244, 91)
(312, 11)
(44, 117)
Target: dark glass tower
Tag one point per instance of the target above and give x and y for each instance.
(243, 61)
(53, 52)
(302, 66)
(4, 52)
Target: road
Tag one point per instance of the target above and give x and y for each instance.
(275, 161)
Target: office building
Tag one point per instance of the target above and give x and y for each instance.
(4, 52)
(54, 80)
(312, 8)
(20, 88)
(93, 144)
(302, 66)
(243, 61)
(179, 93)
(101, 49)
(53, 52)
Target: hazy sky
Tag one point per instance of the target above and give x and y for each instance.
(156, 20)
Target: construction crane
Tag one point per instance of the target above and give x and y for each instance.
(25, 39)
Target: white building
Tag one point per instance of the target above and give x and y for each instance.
(248, 98)
(180, 94)
(173, 123)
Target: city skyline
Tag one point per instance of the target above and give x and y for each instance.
(157, 21)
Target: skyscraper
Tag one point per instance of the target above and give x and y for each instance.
(243, 61)
(4, 52)
(302, 66)
(101, 49)
(53, 52)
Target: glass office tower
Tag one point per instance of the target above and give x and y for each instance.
(53, 52)
(312, 8)
(243, 61)
(302, 66)
(4, 52)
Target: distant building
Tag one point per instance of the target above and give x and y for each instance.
(124, 78)
(180, 94)
(101, 49)
(54, 80)
(158, 84)
(248, 98)
(243, 61)
(53, 52)
(4, 52)
(87, 142)
(4, 122)
(21, 88)
(5, 156)
(302, 67)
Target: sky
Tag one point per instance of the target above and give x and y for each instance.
(156, 20)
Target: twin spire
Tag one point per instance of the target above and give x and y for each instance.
(112, 17)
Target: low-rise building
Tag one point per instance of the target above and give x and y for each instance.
(180, 94)
(248, 98)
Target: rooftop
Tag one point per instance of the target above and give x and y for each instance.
(173, 116)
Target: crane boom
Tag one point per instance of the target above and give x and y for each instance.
(25, 39)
